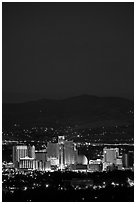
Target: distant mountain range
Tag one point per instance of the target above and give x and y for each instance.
(84, 111)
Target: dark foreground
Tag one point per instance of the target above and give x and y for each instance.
(116, 186)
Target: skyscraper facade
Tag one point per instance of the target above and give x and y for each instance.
(128, 159)
(69, 153)
(22, 151)
(52, 150)
(62, 154)
(110, 155)
(19, 151)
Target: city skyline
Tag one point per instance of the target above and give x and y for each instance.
(64, 156)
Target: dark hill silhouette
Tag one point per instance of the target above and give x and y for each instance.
(80, 110)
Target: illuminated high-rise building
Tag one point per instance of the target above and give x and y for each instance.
(22, 151)
(61, 140)
(19, 151)
(53, 153)
(110, 155)
(125, 160)
(62, 154)
(70, 152)
(52, 150)
(67, 152)
(128, 159)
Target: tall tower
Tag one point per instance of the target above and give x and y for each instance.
(69, 153)
(61, 140)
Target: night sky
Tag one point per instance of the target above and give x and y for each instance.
(65, 49)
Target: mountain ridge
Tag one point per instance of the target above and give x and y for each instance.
(75, 110)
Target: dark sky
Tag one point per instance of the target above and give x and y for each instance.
(66, 49)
